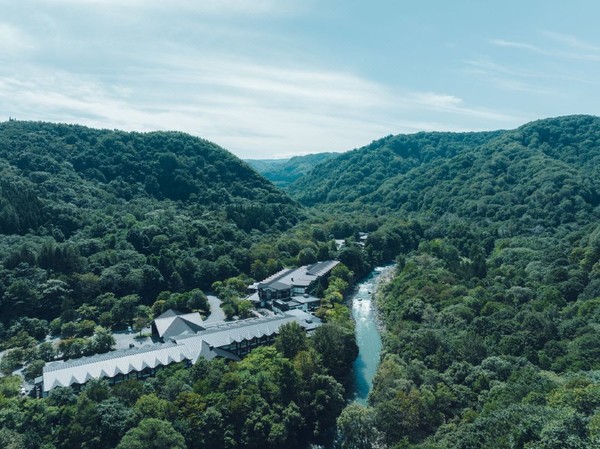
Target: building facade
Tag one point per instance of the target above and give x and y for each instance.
(294, 288)
(231, 340)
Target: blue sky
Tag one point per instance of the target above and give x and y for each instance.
(274, 78)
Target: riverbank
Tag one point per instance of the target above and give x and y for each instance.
(386, 275)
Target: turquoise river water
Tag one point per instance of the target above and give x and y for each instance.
(368, 336)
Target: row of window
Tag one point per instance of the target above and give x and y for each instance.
(244, 347)
(144, 374)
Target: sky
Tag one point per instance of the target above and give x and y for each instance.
(276, 78)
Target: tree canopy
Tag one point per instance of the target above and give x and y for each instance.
(490, 324)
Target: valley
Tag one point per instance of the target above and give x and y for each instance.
(489, 322)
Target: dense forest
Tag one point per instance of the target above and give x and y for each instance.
(283, 172)
(350, 177)
(87, 212)
(491, 322)
(103, 230)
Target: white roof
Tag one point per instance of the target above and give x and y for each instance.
(124, 361)
(204, 342)
(196, 347)
(174, 323)
(253, 297)
(236, 331)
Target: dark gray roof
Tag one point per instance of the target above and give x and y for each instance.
(168, 314)
(226, 354)
(321, 268)
(306, 320)
(298, 277)
(274, 277)
(305, 299)
(279, 286)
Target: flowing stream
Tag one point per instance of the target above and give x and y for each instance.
(368, 336)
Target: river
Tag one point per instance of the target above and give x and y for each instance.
(368, 336)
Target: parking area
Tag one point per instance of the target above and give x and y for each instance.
(126, 339)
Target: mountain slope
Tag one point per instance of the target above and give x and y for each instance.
(353, 175)
(283, 172)
(541, 174)
(130, 213)
(491, 321)
(116, 166)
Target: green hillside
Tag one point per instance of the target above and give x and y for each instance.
(491, 322)
(351, 176)
(283, 172)
(535, 177)
(265, 165)
(104, 230)
(123, 213)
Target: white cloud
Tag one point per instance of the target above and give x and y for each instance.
(519, 45)
(246, 88)
(441, 101)
(489, 66)
(452, 105)
(572, 41)
(202, 7)
(515, 75)
(251, 109)
(575, 51)
(560, 68)
(13, 40)
(510, 78)
(294, 87)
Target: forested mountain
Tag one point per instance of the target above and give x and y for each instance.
(352, 176)
(470, 174)
(101, 230)
(491, 323)
(283, 172)
(123, 213)
(492, 319)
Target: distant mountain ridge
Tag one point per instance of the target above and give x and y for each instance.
(355, 173)
(283, 172)
(488, 176)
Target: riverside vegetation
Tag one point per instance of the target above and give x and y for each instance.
(491, 323)
(492, 319)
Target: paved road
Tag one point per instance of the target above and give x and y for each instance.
(216, 313)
